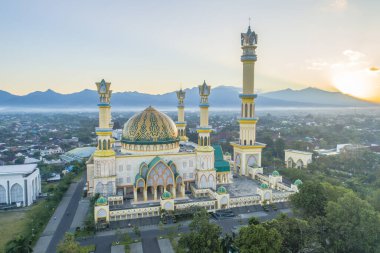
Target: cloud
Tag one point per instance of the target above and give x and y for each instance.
(352, 60)
(338, 5)
(354, 56)
(317, 64)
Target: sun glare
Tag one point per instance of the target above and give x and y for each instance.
(360, 84)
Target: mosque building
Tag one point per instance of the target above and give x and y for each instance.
(157, 168)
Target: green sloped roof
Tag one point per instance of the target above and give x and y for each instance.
(154, 161)
(220, 164)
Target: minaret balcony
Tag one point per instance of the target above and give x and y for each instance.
(103, 131)
(242, 95)
(103, 104)
(204, 105)
(248, 58)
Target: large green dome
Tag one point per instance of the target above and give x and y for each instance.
(298, 182)
(150, 127)
(275, 173)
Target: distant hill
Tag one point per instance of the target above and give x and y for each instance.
(313, 95)
(221, 96)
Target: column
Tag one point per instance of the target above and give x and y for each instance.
(182, 190)
(174, 191)
(135, 194)
(145, 194)
(155, 193)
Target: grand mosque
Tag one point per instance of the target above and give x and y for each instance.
(155, 167)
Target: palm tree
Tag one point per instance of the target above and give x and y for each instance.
(19, 245)
(226, 243)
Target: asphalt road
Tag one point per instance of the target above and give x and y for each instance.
(67, 219)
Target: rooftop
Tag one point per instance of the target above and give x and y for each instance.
(17, 169)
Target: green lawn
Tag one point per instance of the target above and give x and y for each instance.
(12, 223)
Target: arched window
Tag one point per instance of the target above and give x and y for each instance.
(100, 144)
(99, 188)
(109, 144)
(251, 112)
(109, 188)
(245, 142)
(16, 193)
(246, 110)
(3, 195)
(250, 142)
(104, 144)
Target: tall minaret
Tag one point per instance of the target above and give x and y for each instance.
(204, 129)
(181, 123)
(104, 131)
(205, 173)
(247, 152)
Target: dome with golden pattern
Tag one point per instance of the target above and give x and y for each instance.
(150, 127)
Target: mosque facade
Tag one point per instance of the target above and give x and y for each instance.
(156, 168)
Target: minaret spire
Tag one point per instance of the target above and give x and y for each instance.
(181, 123)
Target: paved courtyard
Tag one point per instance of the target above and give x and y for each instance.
(242, 186)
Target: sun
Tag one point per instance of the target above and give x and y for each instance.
(361, 84)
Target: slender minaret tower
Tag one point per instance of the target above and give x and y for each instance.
(101, 175)
(104, 131)
(206, 174)
(247, 152)
(181, 123)
(204, 129)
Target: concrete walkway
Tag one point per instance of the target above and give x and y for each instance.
(136, 248)
(54, 230)
(80, 214)
(165, 246)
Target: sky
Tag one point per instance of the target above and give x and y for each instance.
(159, 46)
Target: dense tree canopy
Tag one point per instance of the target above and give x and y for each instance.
(311, 199)
(258, 239)
(353, 225)
(203, 236)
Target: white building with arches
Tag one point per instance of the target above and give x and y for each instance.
(297, 159)
(19, 184)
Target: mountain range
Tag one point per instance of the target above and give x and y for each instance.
(221, 96)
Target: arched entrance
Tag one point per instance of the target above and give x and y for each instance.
(237, 164)
(16, 193)
(3, 195)
(299, 164)
(290, 163)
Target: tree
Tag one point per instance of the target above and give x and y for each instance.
(353, 225)
(19, 245)
(226, 243)
(20, 160)
(295, 233)
(68, 245)
(253, 221)
(311, 199)
(203, 236)
(258, 239)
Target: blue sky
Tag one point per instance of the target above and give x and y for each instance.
(156, 46)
